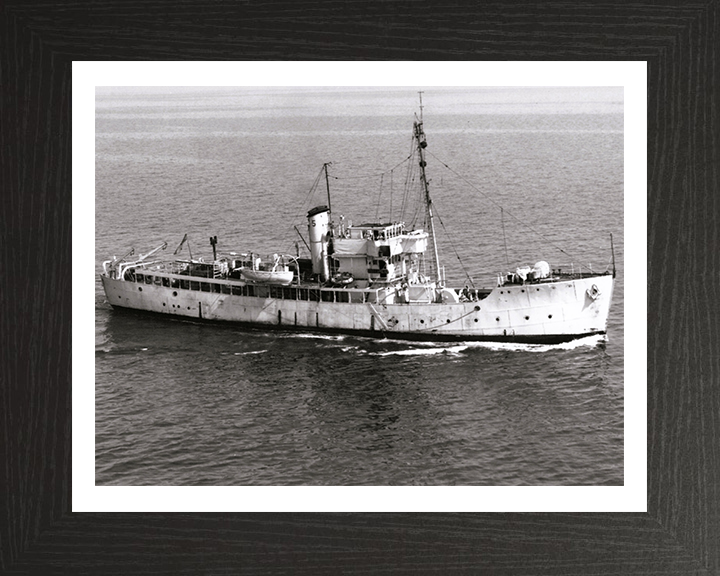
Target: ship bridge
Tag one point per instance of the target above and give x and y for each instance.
(380, 251)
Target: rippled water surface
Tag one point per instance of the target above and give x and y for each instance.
(183, 403)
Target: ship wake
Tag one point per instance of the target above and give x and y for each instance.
(432, 348)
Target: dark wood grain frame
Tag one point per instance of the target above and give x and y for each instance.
(680, 532)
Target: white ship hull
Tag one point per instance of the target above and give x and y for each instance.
(546, 312)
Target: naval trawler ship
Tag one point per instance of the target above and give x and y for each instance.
(371, 279)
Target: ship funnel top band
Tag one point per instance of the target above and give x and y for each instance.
(317, 210)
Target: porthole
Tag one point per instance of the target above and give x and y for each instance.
(549, 315)
(527, 317)
(498, 318)
(163, 303)
(476, 319)
(174, 293)
(477, 308)
(448, 321)
(523, 290)
(422, 321)
(501, 292)
(140, 288)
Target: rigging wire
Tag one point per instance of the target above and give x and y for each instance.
(312, 190)
(377, 207)
(391, 199)
(550, 242)
(502, 221)
(452, 245)
(374, 174)
(409, 177)
(392, 172)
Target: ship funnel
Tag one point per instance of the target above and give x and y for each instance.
(319, 232)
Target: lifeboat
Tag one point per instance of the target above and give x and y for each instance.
(282, 277)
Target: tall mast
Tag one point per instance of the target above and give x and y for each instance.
(327, 185)
(422, 144)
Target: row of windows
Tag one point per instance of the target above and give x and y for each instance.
(280, 292)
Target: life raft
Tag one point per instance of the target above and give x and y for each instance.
(342, 279)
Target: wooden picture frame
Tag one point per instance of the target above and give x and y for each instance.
(680, 532)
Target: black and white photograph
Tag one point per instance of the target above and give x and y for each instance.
(359, 286)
